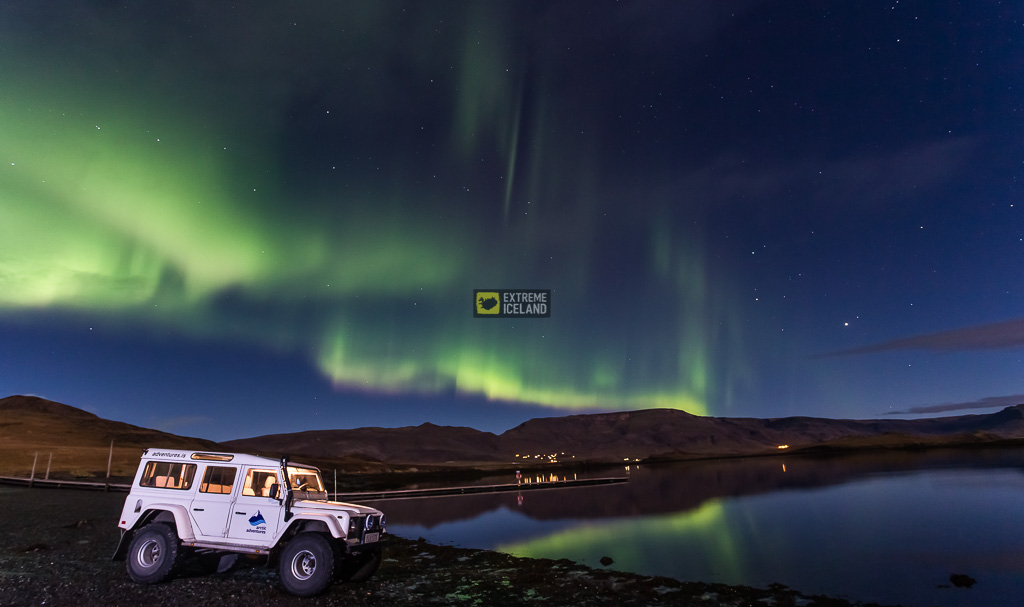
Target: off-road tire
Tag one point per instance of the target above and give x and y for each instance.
(307, 564)
(153, 554)
(360, 567)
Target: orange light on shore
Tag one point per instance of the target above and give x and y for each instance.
(783, 446)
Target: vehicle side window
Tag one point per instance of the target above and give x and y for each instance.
(168, 475)
(218, 479)
(258, 483)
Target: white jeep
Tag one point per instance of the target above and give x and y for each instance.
(227, 504)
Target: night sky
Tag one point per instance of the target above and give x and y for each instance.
(227, 221)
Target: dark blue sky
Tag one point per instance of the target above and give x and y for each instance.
(233, 221)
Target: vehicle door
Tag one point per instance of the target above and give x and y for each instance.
(256, 514)
(212, 505)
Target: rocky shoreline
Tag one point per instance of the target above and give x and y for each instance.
(55, 549)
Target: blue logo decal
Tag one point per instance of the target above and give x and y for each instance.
(257, 519)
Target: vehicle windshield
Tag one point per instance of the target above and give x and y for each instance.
(305, 479)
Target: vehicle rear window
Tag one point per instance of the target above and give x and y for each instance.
(168, 475)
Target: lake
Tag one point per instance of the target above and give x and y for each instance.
(885, 527)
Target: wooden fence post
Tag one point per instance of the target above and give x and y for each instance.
(110, 458)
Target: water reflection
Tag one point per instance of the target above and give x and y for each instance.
(877, 527)
(671, 488)
(638, 544)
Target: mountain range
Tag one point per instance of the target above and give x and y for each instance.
(653, 434)
(80, 441)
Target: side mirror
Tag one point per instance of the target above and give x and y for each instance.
(273, 490)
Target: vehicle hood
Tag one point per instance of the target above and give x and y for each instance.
(327, 506)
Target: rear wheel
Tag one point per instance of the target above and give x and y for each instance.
(307, 565)
(153, 554)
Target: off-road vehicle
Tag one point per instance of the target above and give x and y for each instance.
(185, 503)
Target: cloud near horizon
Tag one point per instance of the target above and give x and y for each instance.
(992, 336)
(174, 425)
(989, 402)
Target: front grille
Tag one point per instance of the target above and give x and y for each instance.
(360, 525)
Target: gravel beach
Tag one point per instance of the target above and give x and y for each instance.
(55, 548)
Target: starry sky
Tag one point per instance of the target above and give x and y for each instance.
(225, 221)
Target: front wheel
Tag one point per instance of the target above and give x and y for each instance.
(152, 554)
(307, 565)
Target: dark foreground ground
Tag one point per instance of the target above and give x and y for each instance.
(55, 548)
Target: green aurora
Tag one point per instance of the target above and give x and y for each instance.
(143, 212)
(294, 202)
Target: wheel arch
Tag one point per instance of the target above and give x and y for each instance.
(315, 523)
(174, 515)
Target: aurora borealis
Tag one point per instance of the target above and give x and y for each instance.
(209, 210)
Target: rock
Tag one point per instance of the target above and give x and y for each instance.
(606, 560)
(961, 580)
(36, 547)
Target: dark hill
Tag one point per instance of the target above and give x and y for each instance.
(647, 434)
(79, 441)
(411, 445)
(41, 406)
(74, 442)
